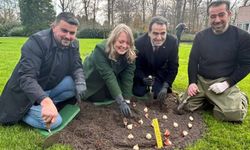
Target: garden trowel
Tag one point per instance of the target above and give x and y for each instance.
(181, 105)
(150, 96)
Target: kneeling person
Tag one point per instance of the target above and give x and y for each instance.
(219, 59)
(110, 69)
(158, 58)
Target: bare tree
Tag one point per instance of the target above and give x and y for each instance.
(245, 2)
(183, 10)
(69, 6)
(86, 4)
(206, 18)
(194, 15)
(64, 4)
(110, 10)
(137, 12)
(8, 11)
(155, 5)
(234, 10)
(125, 10)
(178, 9)
(95, 9)
(167, 10)
(233, 5)
(144, 11)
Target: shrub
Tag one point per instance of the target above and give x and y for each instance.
(1, 30)
(93, 33)
(6, 27)
(186, 37)
(137, 34)
(17, 31)
(101, 33)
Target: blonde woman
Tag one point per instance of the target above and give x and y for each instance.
(110, 69)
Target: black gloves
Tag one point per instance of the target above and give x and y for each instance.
(80, 83)
(80, 91)
(123, 106)
(163, 92)
(148, 80)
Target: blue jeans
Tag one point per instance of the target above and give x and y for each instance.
(63, 91)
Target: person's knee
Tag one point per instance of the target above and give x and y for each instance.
(57, 123)
(230, 115)
(54, 125)
(68, 94)
(235, 111)
(69, 82)
(192, 103)
(69, 87)
(139, 91)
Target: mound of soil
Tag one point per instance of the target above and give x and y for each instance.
(103, 128)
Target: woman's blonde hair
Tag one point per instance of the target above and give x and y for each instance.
(130, 54)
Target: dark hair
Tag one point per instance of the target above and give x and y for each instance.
(158, 20)
(218, 3)
(68, 17)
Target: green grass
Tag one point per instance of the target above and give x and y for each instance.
(219, 135)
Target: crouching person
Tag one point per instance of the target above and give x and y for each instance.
(49, 72)
(110, 69)
(157, 61)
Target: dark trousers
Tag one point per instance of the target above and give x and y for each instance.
(140, 89)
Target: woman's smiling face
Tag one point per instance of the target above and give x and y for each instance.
(122, 43)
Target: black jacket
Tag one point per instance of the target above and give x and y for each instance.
(41, 67)
(162, 64)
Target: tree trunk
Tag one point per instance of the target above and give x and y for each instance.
(109, 12)
(178, 11)
(155, 3)
(183, 10)
(143, 12)
(112, 12)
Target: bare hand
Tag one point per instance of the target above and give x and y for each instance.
(49, 110)
(193, 89)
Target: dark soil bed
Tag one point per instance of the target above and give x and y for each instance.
(102, 127)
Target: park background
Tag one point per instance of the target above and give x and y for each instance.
(98, 17)
(21, 18)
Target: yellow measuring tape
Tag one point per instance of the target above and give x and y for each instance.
(157, 133)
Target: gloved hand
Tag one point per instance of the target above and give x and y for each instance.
(163, 92)
(148, 80)
(123, 106)
(80, 91)
(219, 87)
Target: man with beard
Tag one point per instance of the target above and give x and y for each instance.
(219, 59)
(48, 72)
(157, 60)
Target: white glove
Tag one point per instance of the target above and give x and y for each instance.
(219, 87)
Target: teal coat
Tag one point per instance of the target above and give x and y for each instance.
(100, 71)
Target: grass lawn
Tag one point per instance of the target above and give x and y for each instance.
(219, 135)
